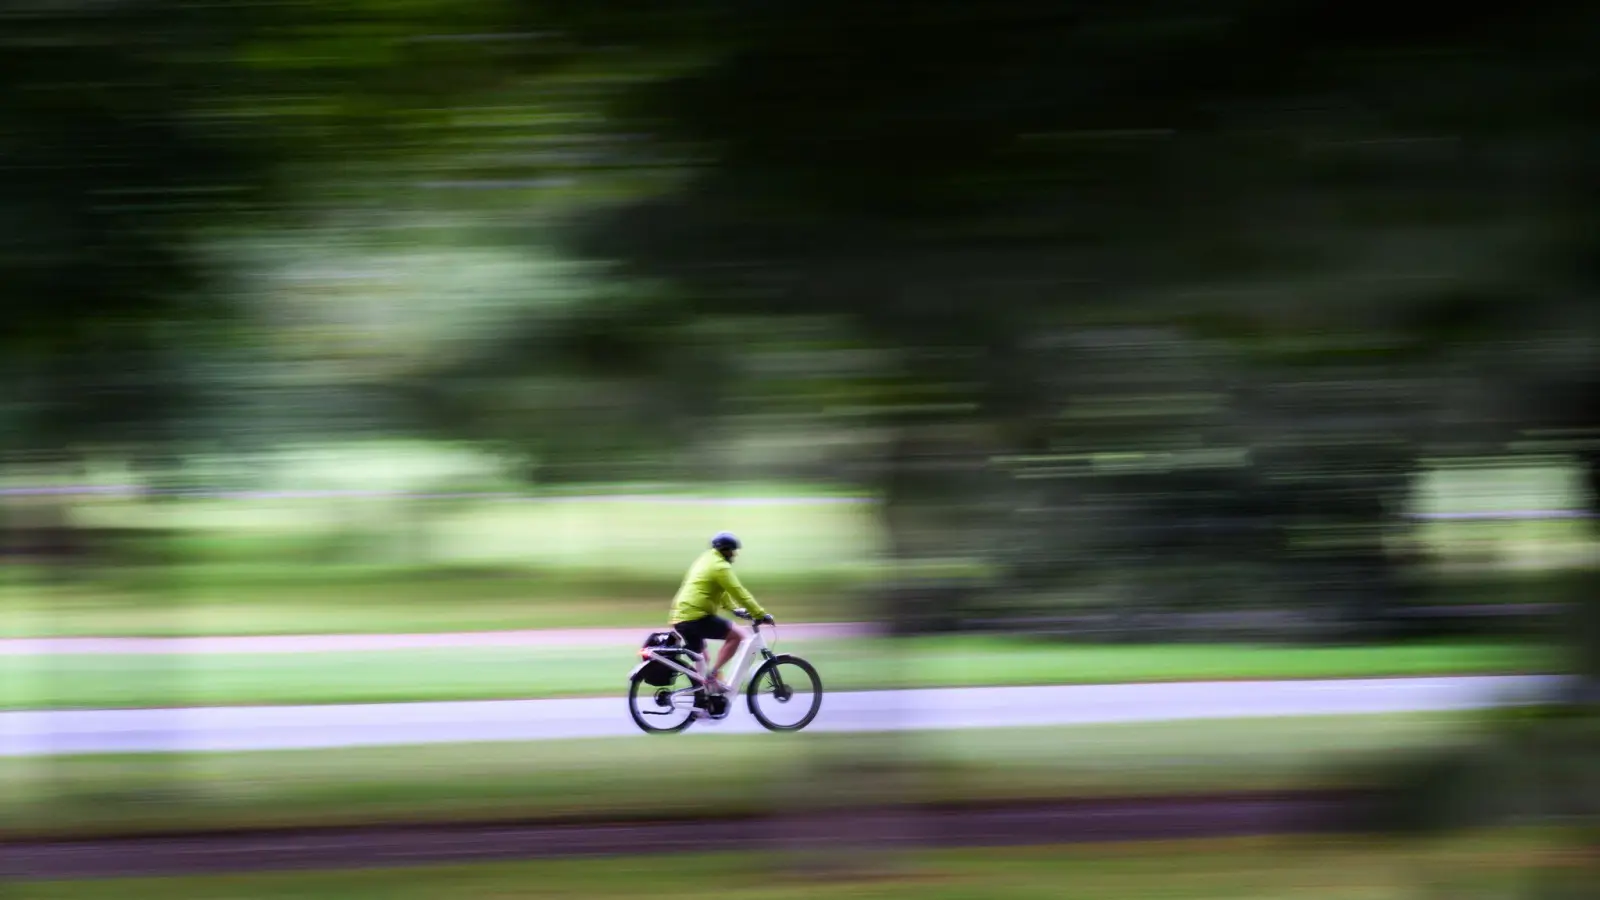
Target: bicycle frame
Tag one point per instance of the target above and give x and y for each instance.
(753, 644)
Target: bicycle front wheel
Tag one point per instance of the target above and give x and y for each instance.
(785, 693)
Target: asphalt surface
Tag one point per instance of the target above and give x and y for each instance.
(201, 729)
(1083, 821)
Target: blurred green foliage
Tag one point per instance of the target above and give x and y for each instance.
(1215, 283)
(1157, 304)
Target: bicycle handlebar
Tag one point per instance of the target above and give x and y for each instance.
(755, 622)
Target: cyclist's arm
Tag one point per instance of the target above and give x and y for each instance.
(729, 582)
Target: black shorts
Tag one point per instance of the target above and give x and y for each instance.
(706, 628)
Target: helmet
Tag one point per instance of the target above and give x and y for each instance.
(725, 542)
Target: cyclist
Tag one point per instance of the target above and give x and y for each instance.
(710, 587)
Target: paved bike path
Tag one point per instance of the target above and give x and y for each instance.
(39, 733)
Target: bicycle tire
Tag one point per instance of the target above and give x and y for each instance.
(755, 679)
(638, 718)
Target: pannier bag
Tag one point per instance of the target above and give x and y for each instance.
(656, 673)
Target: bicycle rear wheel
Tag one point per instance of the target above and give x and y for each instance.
(785, 693)
(665, 709)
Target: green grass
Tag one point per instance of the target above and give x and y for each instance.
(492, 673)
(613, 536)
(321, 565)
(1478, 865)
(624, 536)
(706, 771)
(276, 598)
(307, 566)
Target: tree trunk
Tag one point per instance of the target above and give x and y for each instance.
(1585, 631)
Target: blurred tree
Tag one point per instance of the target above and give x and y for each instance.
(1377, 223)
(974, 186)
(143, 139)
(141, 134)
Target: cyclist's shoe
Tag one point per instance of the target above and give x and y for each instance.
(716, 686)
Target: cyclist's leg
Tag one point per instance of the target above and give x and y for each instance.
(731, 639)
(694, 639)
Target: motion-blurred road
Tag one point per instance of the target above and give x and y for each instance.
(29, 733)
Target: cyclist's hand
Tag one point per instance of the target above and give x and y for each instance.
(741, 613)
(767, 620)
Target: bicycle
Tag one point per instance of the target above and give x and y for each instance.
(667, 682)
